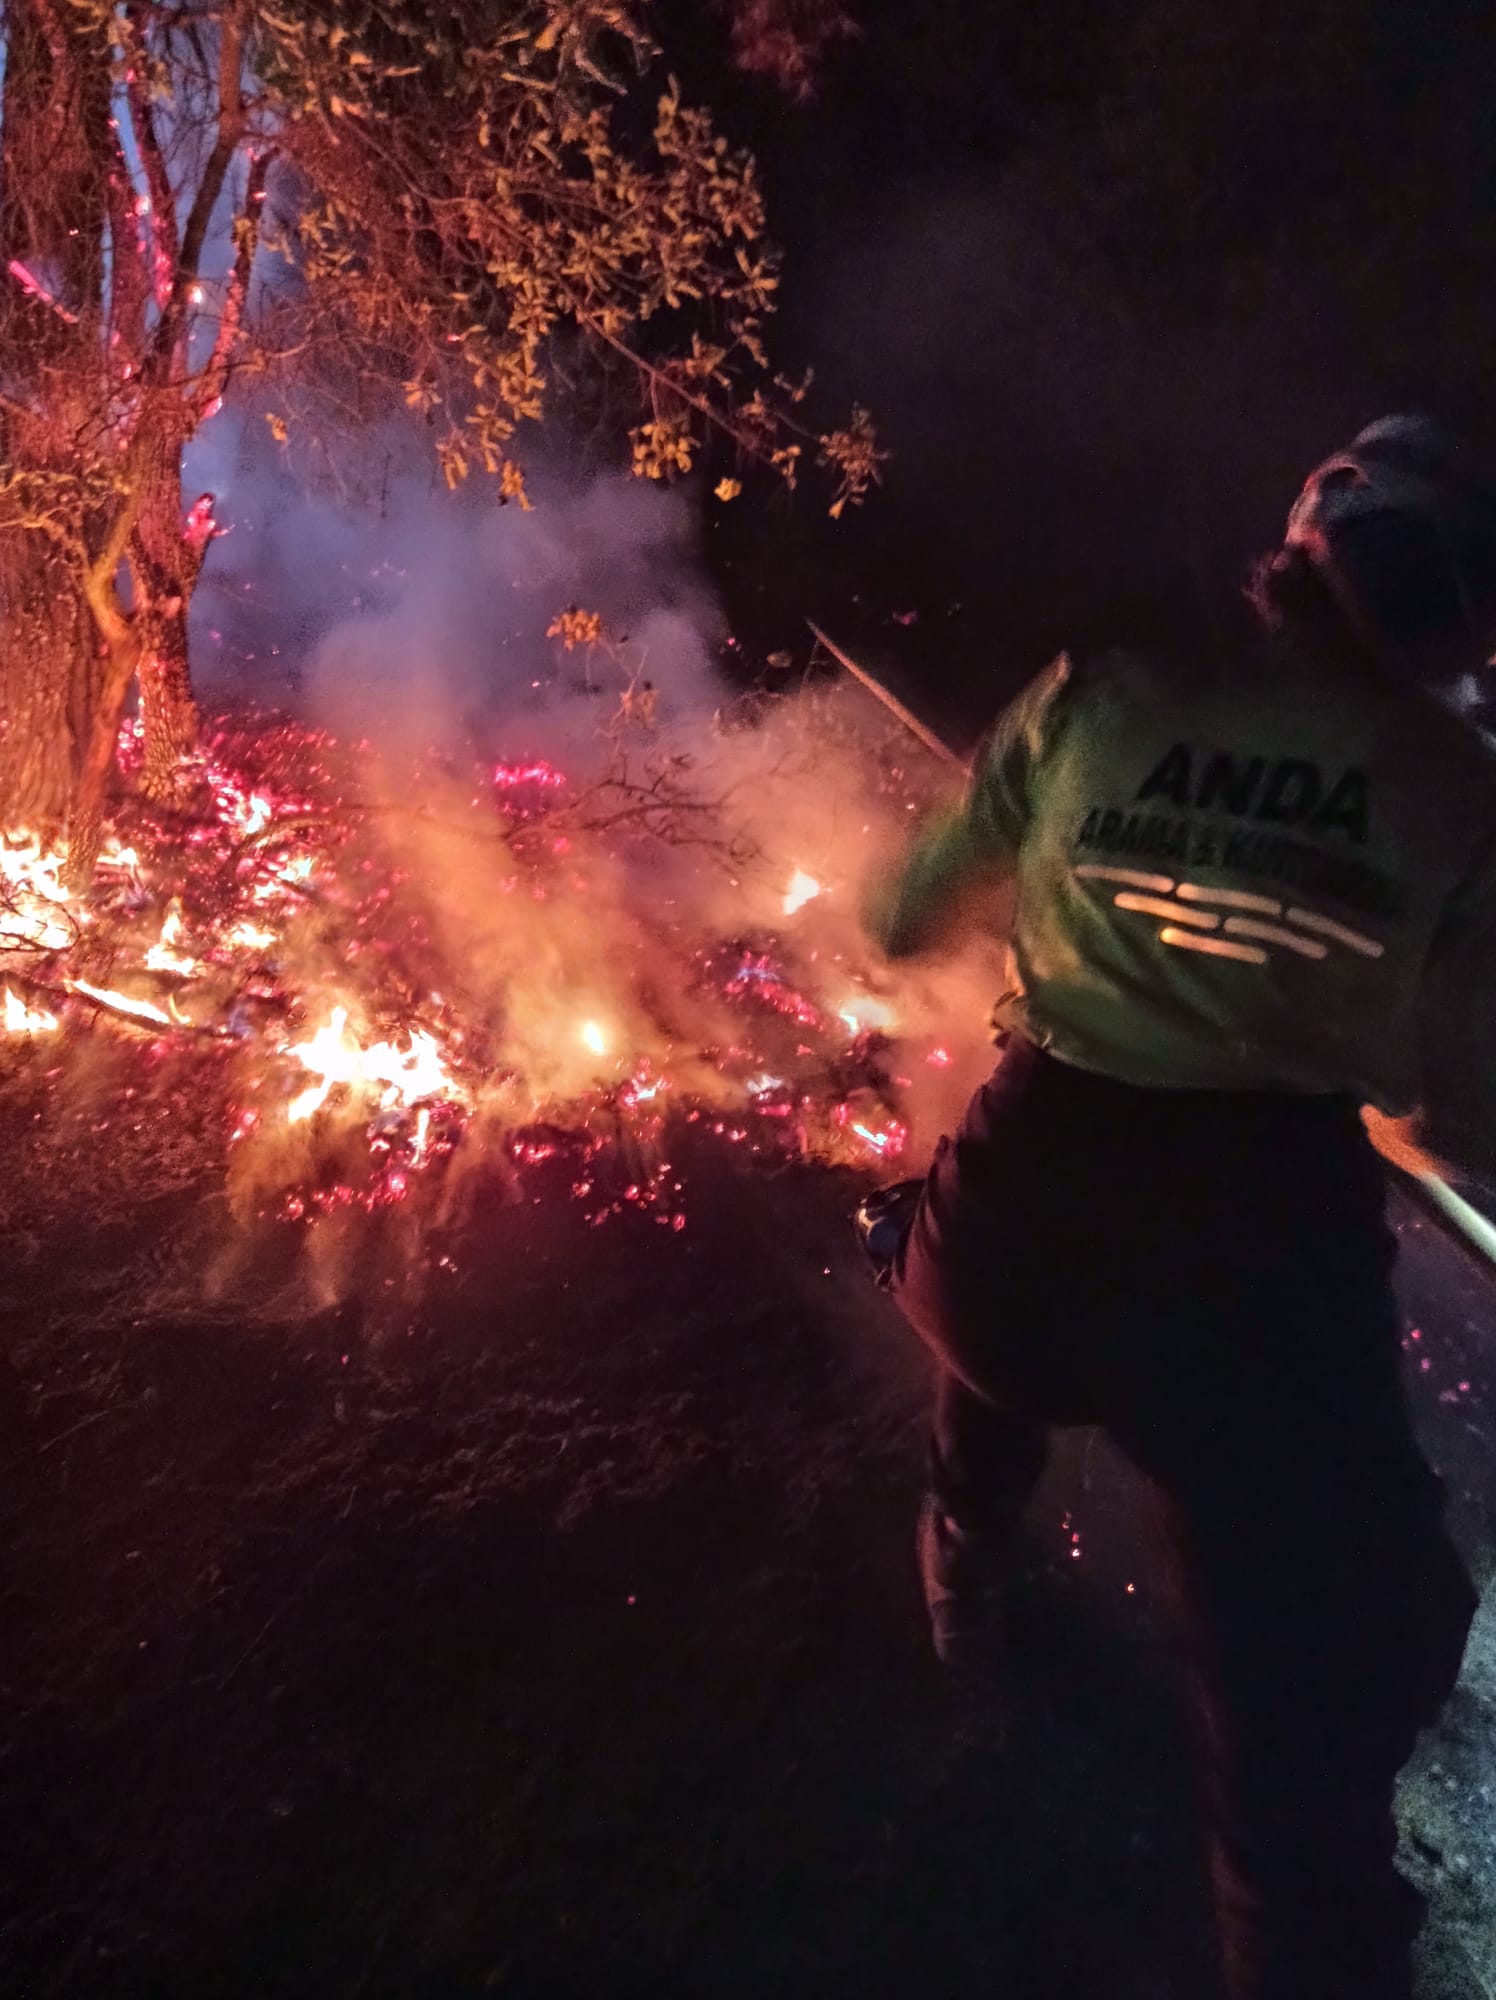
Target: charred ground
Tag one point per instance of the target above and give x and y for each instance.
(559, 1634)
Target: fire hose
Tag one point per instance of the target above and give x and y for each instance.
(1476, 1230)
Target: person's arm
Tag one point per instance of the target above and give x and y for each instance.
(980, 837)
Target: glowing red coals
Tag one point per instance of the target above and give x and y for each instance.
(290, 929)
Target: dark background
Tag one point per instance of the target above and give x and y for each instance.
(1111, 274)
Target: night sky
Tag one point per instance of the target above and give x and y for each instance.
(1111, 274)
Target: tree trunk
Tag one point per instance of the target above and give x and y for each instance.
(47, 646)
(90, 795)
(165, 558)
(56, 148)
(168, 712)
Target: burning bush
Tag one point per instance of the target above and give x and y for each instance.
(392, 977)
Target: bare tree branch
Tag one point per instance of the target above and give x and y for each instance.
(147, 139)
(226, 143)
(215, 375)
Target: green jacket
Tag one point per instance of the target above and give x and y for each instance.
(1278, 876)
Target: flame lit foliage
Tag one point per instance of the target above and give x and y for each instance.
(466, 241)
(439, 202)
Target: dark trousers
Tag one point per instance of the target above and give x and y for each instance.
(1207, 1277)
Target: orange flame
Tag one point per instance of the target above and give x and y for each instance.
(866, 1010)
(23, 1020)
(593, 1036)
(161, 957)
(803, 889)
(32, 874)
(125, 1003)
(406, 1077)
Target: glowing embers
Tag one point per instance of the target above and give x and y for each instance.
(383, 1071)
(527, 791)
(243, 805)
(536, 775)
(757, 977)
(879, 1135)
(379, 969)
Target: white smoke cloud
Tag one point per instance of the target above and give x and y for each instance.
(416, 620)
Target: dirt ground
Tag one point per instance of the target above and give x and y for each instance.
(562, 1638)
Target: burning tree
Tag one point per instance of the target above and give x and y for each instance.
(445, 203)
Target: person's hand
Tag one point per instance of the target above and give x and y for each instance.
(1402, 1141)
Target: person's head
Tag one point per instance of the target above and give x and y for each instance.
(1391, 547)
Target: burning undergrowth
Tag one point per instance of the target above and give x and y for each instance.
(369, 983)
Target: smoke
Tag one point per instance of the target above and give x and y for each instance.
(628, 894)
(1102, 367)
(383, 602)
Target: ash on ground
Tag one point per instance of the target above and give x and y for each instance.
(561, 1635)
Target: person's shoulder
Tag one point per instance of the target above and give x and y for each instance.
(1164, 641)
(1127, 672)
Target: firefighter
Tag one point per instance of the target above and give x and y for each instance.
(1255, 892)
